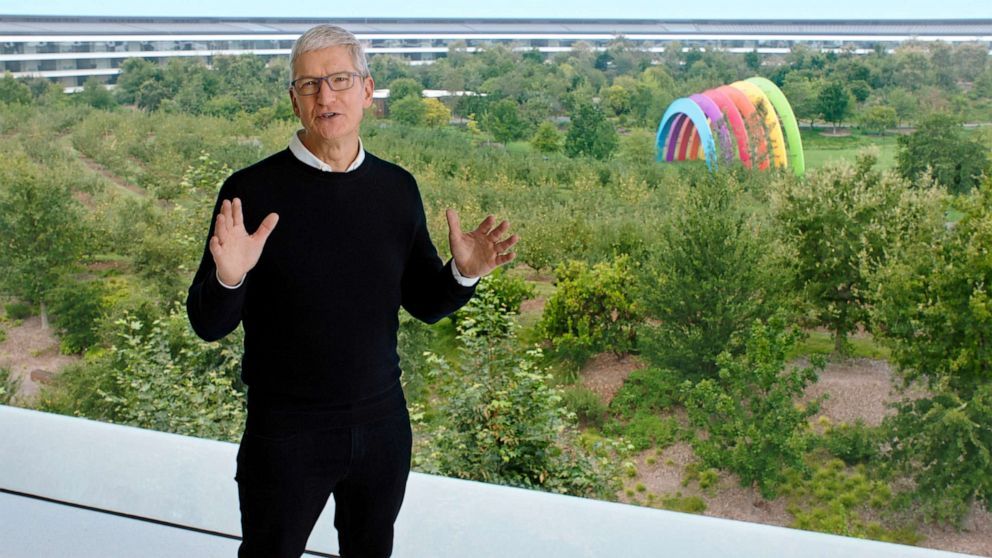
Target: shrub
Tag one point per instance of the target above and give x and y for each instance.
(586, 404)
(9, 384)
(592, 309)
(501, 422)
(650, 390)
(496, 301)
(18, 310)
(77, 308)
(855, 443)
(754, 427)
(645, 430)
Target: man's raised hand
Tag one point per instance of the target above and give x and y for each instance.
(478, 252)
(235, 251)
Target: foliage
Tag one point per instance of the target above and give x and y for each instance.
(546, 139)
(878, 118)
(592, 307)
(754, 426)
(651, 390)
(853, 443)
(834, 102)
(492, 308)
(835, 500)
(96, 95)
(404, 87)
(839, 223)
(502, 119)
(9, 385)
(40, 231)
(435, 113)
(502, 423)
(77, 308)
(586, 404)
(645, 430)
(707, 279)
(408, 110)
(590, 134)
(18, 310)
(165, 378)
(13, 91)
(940, 147)
(932, 304)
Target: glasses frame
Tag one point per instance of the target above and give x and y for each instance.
(327, 79)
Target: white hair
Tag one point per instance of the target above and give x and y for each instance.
(324, 36)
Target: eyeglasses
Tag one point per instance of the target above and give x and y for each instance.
(337, 82)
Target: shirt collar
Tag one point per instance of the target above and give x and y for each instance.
(303, 154)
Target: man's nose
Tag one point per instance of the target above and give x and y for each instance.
(326, 94)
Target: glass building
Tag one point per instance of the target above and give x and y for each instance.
(70, 49)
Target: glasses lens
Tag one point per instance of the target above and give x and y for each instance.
(341, 81)
(307, 86)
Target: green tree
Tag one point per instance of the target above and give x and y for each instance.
(752, 60)
(96, 95)
(546, 139)
(941, 147)
(878, 118)
(590, 134)
(408, 110)
(803, 95)
(933, 304)
(839, 223)
(40, 233)
(834, 103)
(502, 119)
(404, 87)
(708, 279)
(134, 73)
(754, 425)
(13, 91)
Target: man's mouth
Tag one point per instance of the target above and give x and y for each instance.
(329, 115)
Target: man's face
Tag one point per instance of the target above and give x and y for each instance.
(331, 115)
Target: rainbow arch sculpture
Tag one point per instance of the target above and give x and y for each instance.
(750, 121)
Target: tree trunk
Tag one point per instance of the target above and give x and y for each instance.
(44, 316)
(839, 342)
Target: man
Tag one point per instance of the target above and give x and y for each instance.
(318, 295)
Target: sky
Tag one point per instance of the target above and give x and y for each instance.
(581, 9)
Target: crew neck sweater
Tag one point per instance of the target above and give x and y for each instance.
(320, 308)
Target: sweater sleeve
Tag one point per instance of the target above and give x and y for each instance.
(213, 309)
(429, 289)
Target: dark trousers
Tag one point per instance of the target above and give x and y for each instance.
(289, 464)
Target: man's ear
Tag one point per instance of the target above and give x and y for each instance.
(292, 99)
(369, 89)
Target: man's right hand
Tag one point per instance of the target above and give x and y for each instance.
(235, 251)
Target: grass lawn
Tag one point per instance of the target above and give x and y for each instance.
(821, 149)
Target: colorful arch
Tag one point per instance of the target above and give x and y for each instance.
(747, 120)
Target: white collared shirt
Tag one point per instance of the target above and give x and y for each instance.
(306, 156)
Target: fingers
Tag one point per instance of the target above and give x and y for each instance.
(500, 229)
(505, 245)
(505, 258)
(454, 222)
(265, 228)
(486, 225)
(239, 218)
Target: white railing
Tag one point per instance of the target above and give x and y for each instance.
(82, 488)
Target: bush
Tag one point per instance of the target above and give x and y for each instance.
(496, 301)
(501, 422)
(647, 390)
(754, 427)
(853, 444)
(9, 385)
(592, 309)
(18, 310)
(645, 430)
(586, 404)
(77, 308)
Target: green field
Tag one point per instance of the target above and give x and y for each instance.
(821, 149)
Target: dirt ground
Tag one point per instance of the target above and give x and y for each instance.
(30, 349)
(856, 389)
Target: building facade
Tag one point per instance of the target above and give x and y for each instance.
(70, 49)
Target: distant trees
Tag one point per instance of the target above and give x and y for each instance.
(502, 119)
(590, 134)
(941, 147)
(834, 103)
(878, 118)
(13, 90)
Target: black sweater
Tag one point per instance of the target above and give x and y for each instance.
(320, 308)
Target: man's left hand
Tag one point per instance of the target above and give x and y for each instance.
(478, 252)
